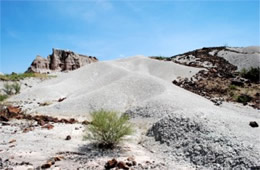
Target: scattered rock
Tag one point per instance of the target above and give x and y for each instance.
(45, 104)
(5, 123)
(28, 129)
(41, 122)
(4, 118)
(129, 164)
(122, 165)
(217, 101)
(16, 113)
(58, 158)
(46, 166)
(253, 124)
(130, 159)
(68, 137)
(13, 110)
(111, 164)
(85, 122)
(48, 126)
(25, 163)
(72, 120)
(12, 141)
(237, 82)
(61, 99)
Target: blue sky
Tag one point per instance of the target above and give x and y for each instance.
(116, 29)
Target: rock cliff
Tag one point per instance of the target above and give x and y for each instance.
(60, 60)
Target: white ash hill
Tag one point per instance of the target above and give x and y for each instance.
(143, 88)
(60, 60)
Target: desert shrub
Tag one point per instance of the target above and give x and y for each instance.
(11, 89)
(8, 89)
(253, 74)
(108, 128)
(243, 98)
(17, 87)
(3, 97)
(232, 87)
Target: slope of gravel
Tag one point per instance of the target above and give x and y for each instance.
(196, 142)
(219, 139)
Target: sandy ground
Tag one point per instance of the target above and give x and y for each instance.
(137, 84)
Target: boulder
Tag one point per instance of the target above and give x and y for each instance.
(253, 124)
(68, 137)
(111, 164)
(60, 60)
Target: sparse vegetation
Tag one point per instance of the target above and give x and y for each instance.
(17, 87)
(108, 128)
(3, 97)
(253, 74)
(11, 89)
(161, 58)
(8, 89)
(243, 98)
(232, 87)
(21, 76)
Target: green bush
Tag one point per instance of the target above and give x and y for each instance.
(243, 98)
(232, 87)
(16, 86)
(108, 128)
(253, 74)
(11, 89)
(3, 97)
(8, 89)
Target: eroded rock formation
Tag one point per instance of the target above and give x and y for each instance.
(60, 60)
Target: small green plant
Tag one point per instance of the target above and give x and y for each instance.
(3, 97)
(17, 87)
(232, 87)
(8, 89)
(108, 128)
(11, 89)
(243, 98)
(253, 74)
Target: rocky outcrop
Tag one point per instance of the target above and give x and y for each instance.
(60, 60)
(39, 64)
